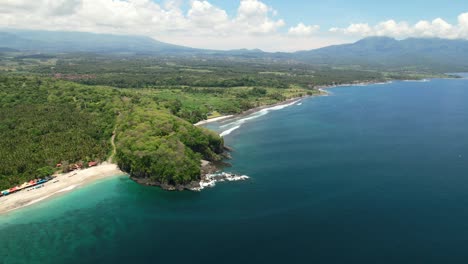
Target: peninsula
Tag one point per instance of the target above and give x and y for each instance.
(63, 108)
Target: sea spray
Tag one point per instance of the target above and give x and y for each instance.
(210, 180)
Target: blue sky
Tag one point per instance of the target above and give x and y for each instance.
(340, 12)
(333, 13)
(271, 25)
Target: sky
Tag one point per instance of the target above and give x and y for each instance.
(270, 25)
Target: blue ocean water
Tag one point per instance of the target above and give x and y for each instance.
(369, 174)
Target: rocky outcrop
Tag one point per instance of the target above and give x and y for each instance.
(209, 176)
(210, 180)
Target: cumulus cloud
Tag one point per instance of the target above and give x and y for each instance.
(303, 30)
(139, 16)
(391, 28)
(254, 16)
(254, 24)
(205, 15)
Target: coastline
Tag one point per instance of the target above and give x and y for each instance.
(227, 118)
(62, 184)
(388, 81)
(322, 89)
(322, 92)
(211, 120)
(79, 178)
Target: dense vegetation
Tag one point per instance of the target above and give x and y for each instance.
(46, 121)
(154, 144)
(157, 72)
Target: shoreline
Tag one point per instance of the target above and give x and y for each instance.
(227, 118)
(322, 92)
(211, 120)
(388, 81)
(62, 184)
(330, 86)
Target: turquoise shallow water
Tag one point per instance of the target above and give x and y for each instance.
(373, 174)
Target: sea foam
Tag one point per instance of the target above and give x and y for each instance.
(211, 180)
(69, 188)
(238, 123)
(227, 132)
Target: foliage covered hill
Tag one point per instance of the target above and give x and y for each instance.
(154, 144)
(435, 54)
(59, 41)
(46, 121)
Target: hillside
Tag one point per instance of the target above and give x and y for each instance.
(67, 42)
(435, 54)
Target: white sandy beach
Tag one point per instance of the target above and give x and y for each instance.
(211, 120)
(61, 184)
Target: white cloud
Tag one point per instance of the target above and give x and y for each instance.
(391, 28)
(463, 25)
(205, 15)
(254, 17)
(142, 17)
(254, 24)
(14, 5)
(303, 30)
(138, 17)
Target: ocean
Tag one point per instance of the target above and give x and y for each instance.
(368, 174)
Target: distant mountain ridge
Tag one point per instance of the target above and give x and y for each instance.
(423, 53)
(59, 41)
(384, 51)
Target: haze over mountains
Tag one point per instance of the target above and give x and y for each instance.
(384, 51)
(57, 42)
(429, 53)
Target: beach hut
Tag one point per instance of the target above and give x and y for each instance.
(40, 181)
(24, 185)
(92, 163)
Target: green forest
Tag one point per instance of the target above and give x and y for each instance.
(47, 121)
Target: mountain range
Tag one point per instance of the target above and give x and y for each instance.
(428, 53)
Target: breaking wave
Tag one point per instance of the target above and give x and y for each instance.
(227, 132)
(238, 123)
